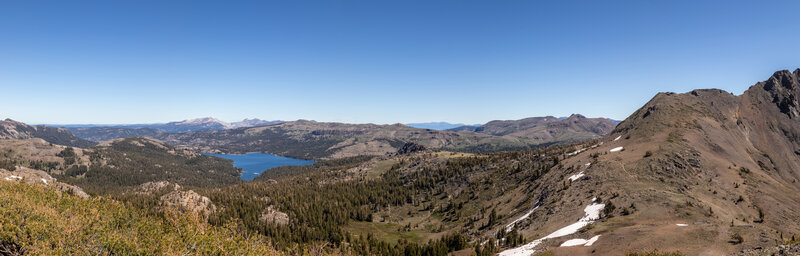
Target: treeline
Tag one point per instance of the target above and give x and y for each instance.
(321, 199)
(134, 161)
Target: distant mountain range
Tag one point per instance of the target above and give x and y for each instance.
(437, 125)
(442, 126)
(573, 128)
(321, 140)
(109, 132)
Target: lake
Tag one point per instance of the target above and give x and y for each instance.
(253, 164)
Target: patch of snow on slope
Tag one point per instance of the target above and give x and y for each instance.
(584, 242)
(576, 176)
(588, 164)
(682, 225)
(592, 213)
(13, 177)
(510, 226)
(576, 152)
(592, 240)
(616, 149)
(573, 242)
(44, 181)
(617, 138)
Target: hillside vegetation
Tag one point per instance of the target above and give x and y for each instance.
(118, 164)
(35, 220)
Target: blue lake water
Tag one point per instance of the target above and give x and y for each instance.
(253, 164)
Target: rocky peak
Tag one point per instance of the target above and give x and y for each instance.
(783, 89)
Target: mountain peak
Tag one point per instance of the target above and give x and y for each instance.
(202, 120)
(782, 89)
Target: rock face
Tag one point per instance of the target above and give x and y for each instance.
(189, 201)
(27, 175)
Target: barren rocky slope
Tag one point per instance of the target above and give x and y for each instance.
(704, 173)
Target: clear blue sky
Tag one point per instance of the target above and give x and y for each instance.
(377, 61)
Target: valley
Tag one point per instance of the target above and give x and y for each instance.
(699, 173)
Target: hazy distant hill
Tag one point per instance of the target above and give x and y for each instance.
(10, 129)
(573, 128)
(320, 140)
(435, 125)
(107, 132)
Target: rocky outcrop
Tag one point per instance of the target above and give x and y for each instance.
(31, 176)
(274, 216)
(155, 186)
(189, 201)
(409, 148)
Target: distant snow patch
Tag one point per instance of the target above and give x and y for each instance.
(576, 152)
(584, 242)
(616, 149)
(576, 176)
(592, 213)
(682, 225)
(510, 226)
(13, 177)
(617, 138)
(44, 181)
(588, 164)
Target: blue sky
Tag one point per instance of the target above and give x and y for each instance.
(377, 61)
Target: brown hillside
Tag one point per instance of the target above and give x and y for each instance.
(724, 165)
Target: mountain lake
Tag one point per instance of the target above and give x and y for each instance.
(253, 164)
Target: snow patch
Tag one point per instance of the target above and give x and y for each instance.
(576, 152)
(510, 226)
(682, 225)
(592, 240)
(616, 149)
(617, 138)
(44, 181)
(576, 176)
(592, 213)
(588, 164)
(13, 177)
(584, 242)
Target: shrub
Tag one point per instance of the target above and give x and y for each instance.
(736, 238)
